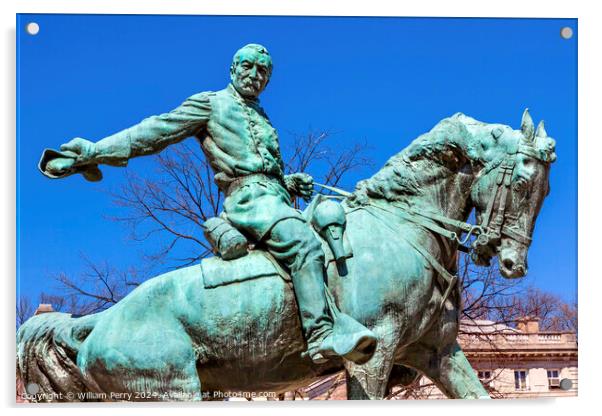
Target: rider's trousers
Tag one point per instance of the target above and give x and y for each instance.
(293, 244)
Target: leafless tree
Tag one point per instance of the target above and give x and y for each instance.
(486, 295)
(566, 319)
(311, 149)
(554, 313)
(25, 309)
(96, 288)
(173, 203)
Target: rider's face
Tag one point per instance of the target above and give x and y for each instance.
(250, 73)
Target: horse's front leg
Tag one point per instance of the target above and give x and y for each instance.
(449, 370)
(457, 377)
(368, 381)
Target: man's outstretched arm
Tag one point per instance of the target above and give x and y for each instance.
(147, 137)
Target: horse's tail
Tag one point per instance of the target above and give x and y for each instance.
(47, 347)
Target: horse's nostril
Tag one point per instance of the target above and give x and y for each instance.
(508, 264)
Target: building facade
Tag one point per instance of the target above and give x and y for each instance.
(521, 362)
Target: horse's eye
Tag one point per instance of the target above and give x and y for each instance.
(520, 185)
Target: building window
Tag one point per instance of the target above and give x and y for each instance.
(553, 379)
(520, 379)
(485, 377)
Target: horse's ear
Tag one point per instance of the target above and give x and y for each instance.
(526, 126)
(541, 130)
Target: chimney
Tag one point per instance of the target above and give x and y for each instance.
(44, 308)
(528, 325)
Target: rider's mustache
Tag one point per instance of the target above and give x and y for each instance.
(246, 82)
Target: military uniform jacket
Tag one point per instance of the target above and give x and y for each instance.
(237, 139)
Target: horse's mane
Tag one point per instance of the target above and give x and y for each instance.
(450, 142)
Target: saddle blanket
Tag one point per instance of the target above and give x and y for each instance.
(257, 263)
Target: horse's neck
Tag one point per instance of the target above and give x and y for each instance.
(445, 191)
(436, 171)
(442, 161)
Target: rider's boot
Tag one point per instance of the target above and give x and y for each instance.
(327, 338)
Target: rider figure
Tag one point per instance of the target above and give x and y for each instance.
(243, 150)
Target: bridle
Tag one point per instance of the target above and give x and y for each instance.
(494, 224)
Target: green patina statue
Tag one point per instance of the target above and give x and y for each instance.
(391, 308)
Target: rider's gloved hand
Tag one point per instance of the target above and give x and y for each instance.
(84, 149)
(300, 184)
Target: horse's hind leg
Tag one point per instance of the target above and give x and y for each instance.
(368, 381)
(149, 363)
(449, 370)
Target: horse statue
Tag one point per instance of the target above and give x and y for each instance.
(177, 338)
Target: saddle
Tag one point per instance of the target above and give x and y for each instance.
(236, 260)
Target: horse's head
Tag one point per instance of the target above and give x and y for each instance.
(509, 192)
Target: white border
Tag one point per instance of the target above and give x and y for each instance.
(590, 70)
(461, 8)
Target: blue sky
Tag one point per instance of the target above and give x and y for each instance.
(380, 80)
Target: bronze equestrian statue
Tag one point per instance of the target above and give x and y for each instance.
(263, 319)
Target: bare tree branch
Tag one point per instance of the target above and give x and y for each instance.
(25, 310)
